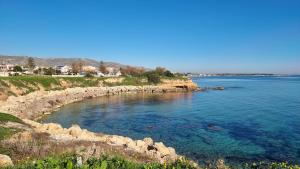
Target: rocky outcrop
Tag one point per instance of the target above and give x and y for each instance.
(36, 104)
(5, 161)
(147, 146)
(186, 84)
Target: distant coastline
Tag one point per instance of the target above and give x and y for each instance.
(235, 74)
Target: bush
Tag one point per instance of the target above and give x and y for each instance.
(105, 162)
(49, 71)
(168, 74)
(18, 69)
(153, 78)
(88, 75)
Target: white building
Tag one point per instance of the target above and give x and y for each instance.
(112, 72)
(6, 67)
(90, 69)
(64, 69)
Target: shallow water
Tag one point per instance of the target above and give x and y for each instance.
(254, 118)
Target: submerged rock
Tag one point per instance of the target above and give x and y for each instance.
(213, 127)
(209, 88)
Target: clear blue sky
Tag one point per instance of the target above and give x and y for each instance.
(183, 35)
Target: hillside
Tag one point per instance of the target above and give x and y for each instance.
(51, 62)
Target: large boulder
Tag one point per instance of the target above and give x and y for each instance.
(52, 128)
(75, 131)
(5, 161)
(148, 141)
(162, 149)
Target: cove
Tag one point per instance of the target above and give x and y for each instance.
(253, 119)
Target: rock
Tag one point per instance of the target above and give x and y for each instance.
(116, 140)
(79, 161)
(25, 136)
(157, 151)
(218, 88)
(75, 131)
(132, 145)
(221, 164)
(213, 127)
(162, 149)
(53, 127)
(148, 141)
(140, 143)
(5, 161)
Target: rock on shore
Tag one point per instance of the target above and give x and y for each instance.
(5, 161)
(147, 146)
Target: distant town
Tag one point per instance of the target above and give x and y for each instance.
(76, 69)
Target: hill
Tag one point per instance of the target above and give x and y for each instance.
(51, 62)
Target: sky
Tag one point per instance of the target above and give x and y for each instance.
(208, 36)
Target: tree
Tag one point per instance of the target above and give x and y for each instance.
(77, 67)
(18, 69)
(38, 71)
(160, 70)
(153, 77)
(102, 68)
(30, 63)
(168, 74)
(49, 71)
(133, 71)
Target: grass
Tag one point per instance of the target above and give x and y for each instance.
(5, 132)
(22, 85)
(9, 118)
(104, 162)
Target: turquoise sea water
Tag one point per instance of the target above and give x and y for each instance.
(253, 119)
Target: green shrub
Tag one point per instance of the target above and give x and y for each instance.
(153, 77)
(5, 132)
(168, 74)
(18, 69)
(7, 117)
(271, 165)
(88, 75)
(105, 162)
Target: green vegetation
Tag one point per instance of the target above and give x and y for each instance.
(5, 132)
(88, 75)
(105, 162)
(9, 118)
(30, 63)
(34, 83)
(272, 165)
(18, 69)
(153, 77)
(20, 85)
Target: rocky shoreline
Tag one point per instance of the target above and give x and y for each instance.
(154, 150)
(36, 104)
